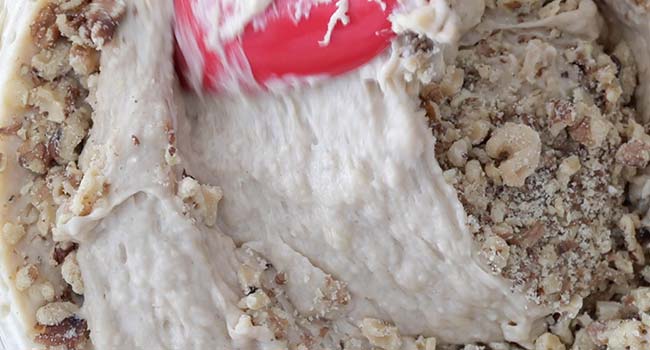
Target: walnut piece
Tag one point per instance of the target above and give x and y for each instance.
(634, 153)
(71, 333)
(60, 251)
(539, 55)
(523, 147)
(72, 273)
(561, 114)
(426, 343)
(44, 30)
(54, 313)
(67, 5)
(91, 189)
(591, 131)
(26, 276)
(641, 298)
(620, 334)
(68, 135)
(457, 153)
(495, 251)
(381, 334)
(13, 233)
(548, 341)
(103, 18)
(55, 94)
(569, 167)
(46, 290)
(84, 60)
(255, 301)
(52, 64)
(34, 157)
(51, 101)
(202, 200)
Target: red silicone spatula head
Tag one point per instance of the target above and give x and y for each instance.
(284, 43)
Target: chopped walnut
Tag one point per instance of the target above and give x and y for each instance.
(51, 131)
(61, 250)
(95, 26)
(84, 60)
(51, 101)
(452, 81)
(26, 276)
(548, 341)
(10, 129)
(44, 30)
(620, 334)
(34, 157)
(67, 137)
(281, 278)
(634, 153)
(498, 211)
(551, 284)
(569, 167)
(63, 182)
(73, 27)
(381, 334)
(628, 224)
(495, 251)
(641, 298)
(333, 296)
(539, 56)
(67, 5)
(54, 313)
(426, 343)
(608, 310)
(510, 4)
(607, 80)
(457, 153)
(522, 145)
(13, 233)
(52, 64)
(203, 200)
(530, 236)
(591, 131)
(255, 301)
(72, 273)
(558, 207)
(477, 131)
(46, 290)
(562, 114)
(71, 333)
(627, 70)
(91, 189)
(277, 321)
(45, 219)
(246, 327)
(103, 18)
(171, 156)
(249, 278)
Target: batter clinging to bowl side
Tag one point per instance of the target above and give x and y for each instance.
(444, 193)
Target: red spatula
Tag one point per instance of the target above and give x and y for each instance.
(284, 44)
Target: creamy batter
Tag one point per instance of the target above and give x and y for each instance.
(331, 194)
(348, 189)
